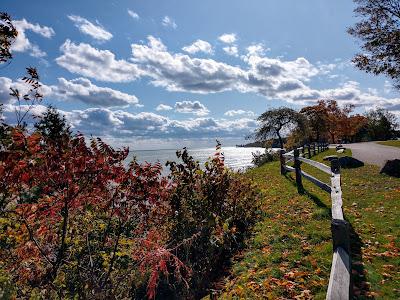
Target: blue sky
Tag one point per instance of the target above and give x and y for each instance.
(173, 73)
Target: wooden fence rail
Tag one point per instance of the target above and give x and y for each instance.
(340, 277)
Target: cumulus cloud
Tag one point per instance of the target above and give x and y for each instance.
(23, 44)
(199, 46)
(231, 50)
(228, 38)
(179, 72)
(169, 22)
(133, 14)
(120, 124)
(79, 89)
(96, 31)
(102, 65)
(274, 78)
(83, 90)
(163, 107)
(257, 49)
(239, 112)
(191, 107)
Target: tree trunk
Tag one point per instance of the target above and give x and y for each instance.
(280, 139)
(332, 137)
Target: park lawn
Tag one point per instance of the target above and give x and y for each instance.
(290, 252)
(391, 143)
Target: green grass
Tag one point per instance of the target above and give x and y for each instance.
(290, 252)
(390, 143)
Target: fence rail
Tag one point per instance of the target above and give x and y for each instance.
(340, 277)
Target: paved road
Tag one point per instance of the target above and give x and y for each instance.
(373, 153)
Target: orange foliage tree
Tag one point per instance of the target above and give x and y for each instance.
(327, 120)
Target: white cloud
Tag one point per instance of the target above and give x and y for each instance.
(257, 49)
(87, 61)
(270, 77)
(231, 50)
(162, 107)
(79, 89)
(228, 38)
(179, 72)
(199, 46)
(133, 14)
(82, 89)
(23, 44)
(120, 124)
(239, 112)
(191, 107)
(96, 31)
(169, 22)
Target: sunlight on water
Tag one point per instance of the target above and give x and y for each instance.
(235, 158)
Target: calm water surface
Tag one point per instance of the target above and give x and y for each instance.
(235, 158)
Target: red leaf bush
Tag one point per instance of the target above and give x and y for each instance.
(76, 221)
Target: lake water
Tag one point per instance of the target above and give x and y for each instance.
(236, 158)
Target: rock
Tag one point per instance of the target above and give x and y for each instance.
(338, 147)
(348, 162)
(340, 150)
(330, 157)
(392, 168)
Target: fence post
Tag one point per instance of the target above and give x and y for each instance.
(309, 151)
(302, 150)
(297, 167)
(283, 161)
(335, 165)
(314, 149)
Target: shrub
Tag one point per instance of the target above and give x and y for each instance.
(75, 221)
(262, 158)
(213, 210)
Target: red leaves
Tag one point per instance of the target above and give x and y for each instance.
(55, 196)
(25, 177)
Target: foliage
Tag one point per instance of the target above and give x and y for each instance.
(262, 158)
(317, 120)
(77, 222)
(8, 34)
(327, 120)
(213, 208)
(379, 30)
(278, 120)
(381, 125)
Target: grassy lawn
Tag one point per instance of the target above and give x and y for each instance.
(390, 143)
(290, 252)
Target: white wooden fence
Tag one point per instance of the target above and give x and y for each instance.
(340, 278)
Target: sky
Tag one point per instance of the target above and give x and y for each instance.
(173, 73)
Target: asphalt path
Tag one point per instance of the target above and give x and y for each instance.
(373, 153)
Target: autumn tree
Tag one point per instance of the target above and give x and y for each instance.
(379, 31)
(350, 126)
(276, 122)
(317, 119)
(328, 119)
